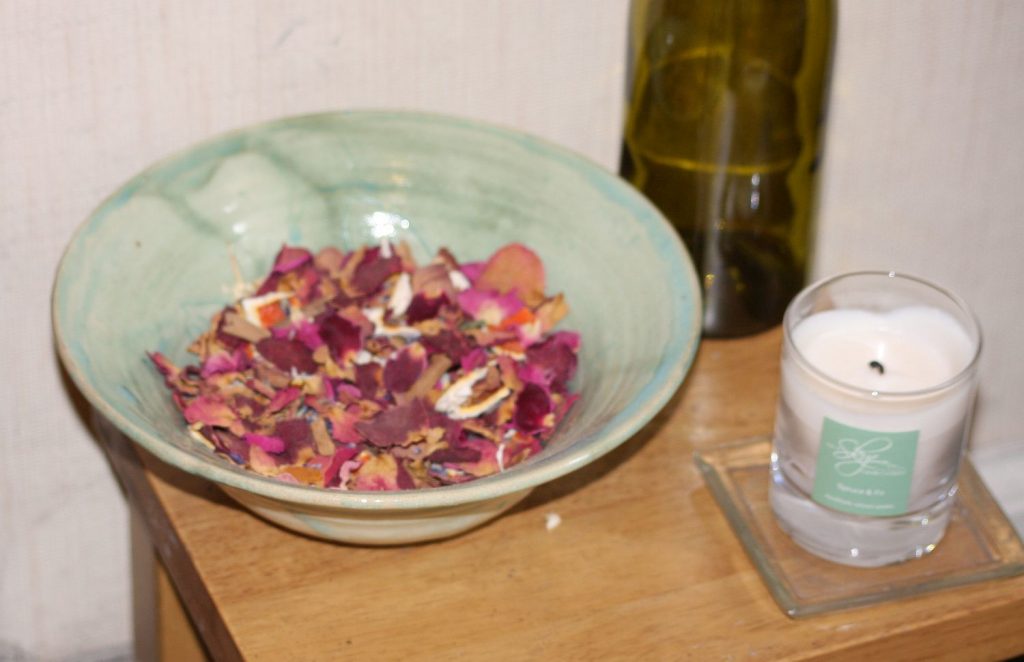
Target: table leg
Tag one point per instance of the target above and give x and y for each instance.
(163, 631)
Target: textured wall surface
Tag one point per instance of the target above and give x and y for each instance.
(922, 167)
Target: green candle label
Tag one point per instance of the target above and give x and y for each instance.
(864, 472)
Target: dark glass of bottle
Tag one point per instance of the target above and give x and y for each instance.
(723, 134)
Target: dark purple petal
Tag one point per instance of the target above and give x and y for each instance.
(295, 432)
(453, 345)
(287, 354)
(373, 271)
(369, 379)
(402, 371)
(396, 425)
(532, 407)
(454, 455)
(341, 456)
(424, 308)
(228, 443)
(404, 480)
(341, 336)
(269, 285)
(290, 258)
(556, 357)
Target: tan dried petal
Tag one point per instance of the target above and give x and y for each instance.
(322, 438)
(551, 312)
(239, 327)
(349, 270)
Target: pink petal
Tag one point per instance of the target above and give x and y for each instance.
(309, 334)
(265, 442)
(472, 270)
(290, 258)
(283, 398)
(223, 362)
(489, 306)
(476, 358)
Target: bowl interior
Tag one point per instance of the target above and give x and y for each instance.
(147, 270)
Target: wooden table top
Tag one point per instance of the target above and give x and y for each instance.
(643, 564)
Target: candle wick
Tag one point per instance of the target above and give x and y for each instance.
(877, 366)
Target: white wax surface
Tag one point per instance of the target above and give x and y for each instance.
(919, 347)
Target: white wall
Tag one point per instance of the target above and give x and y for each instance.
(922, 165)
(925, 168)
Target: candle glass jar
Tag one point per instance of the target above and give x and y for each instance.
(878, 376)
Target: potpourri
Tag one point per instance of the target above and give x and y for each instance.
(365, 371)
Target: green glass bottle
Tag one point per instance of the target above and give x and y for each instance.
(723, 133)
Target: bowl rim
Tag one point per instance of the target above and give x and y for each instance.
(676, 359)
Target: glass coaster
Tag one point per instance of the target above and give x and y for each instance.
(979, 544)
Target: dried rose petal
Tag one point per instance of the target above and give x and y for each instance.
(452, 345)
(363, 371)
(309, 334)
(210, 410)
(514, 268)
(290, 258)
(283, 398)
(222, 362)
(373, 271)
(533, 406)
(474, 359)
(395, 426)
(555, 358)
(287, 354)
(488, 306)
(424, 308)
(378, 472)
(342, 425)
(341, 336)
(266, 442)
(295, 432)
(402, 371)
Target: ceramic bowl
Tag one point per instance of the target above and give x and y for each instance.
(151, 265)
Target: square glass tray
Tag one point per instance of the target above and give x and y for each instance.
(980, 543)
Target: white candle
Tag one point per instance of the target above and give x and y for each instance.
(878, 376)
(882, 374)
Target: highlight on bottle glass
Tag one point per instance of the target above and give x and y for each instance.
(879, 373)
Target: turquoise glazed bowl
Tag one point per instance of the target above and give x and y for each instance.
(152, 264)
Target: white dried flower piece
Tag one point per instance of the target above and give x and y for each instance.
(382, 328)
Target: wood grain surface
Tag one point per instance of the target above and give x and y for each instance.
(643, 564)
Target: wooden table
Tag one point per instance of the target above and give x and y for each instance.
(643, 565)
